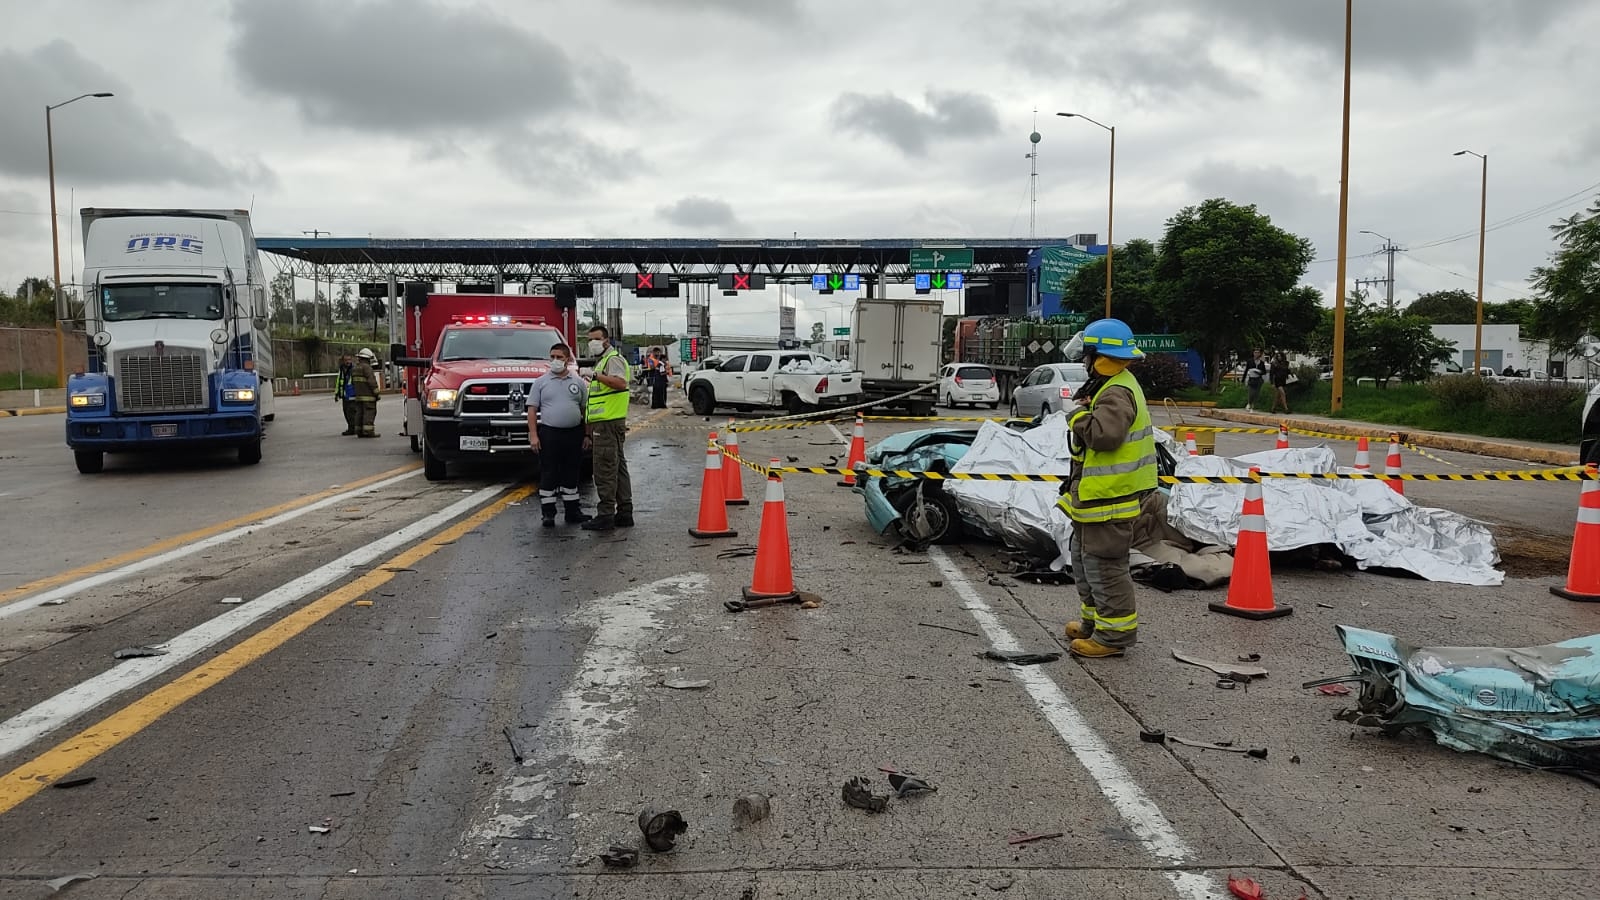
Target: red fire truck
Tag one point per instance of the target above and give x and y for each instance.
(469, 360)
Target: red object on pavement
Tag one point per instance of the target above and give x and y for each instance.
(1245, 888)
(1333, 690)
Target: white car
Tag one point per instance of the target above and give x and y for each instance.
(1048, 389)
(968, 383)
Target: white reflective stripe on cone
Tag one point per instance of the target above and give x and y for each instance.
(713, 459)
(774, 490)
(1252, 523)
(1588, 515)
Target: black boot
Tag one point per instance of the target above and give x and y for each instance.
(575, 513)
(601, 523)
(625, 520)
(549, 510)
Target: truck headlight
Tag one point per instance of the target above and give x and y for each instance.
(87, 401)
(441, 398)
(239, 395)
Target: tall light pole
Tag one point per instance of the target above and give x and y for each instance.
(55, 238)
(1483, 221)
(1111, 196)
(1337, 399)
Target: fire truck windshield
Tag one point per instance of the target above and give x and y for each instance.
(497, 343)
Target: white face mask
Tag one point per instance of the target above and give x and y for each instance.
(558, 366)
(596, 347)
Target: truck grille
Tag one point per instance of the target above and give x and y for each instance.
(171, 382)
(499, 399)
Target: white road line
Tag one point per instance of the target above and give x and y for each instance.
(592, 712)
(28, 726)
(1141, 814)
(161, 559)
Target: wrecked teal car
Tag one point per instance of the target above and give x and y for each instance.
(917, 510)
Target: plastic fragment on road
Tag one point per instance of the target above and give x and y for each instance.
(56, 884)
(906, 784)
(59, 601)
(362, 603)
(751, 808)
(1020, 657)
(1245, 888)
(231, 601)
(857, 792)
(1017, 840)
(686, 684)
(1219, 668)
(68, 783)
(661, 828)
(318, 829)
(618, 856)
(1333, 690)
(139, 652)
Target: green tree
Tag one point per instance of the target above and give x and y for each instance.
(1386, 345)
(344, 309)
(282, 294)
(1568, 306)
(1511, 312)
(1454, 307)
(1228, 278)
(1133, 288)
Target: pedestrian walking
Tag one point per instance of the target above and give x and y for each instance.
(344, 393)
(660, 375)
(557, 407)
(1255, 375)
(1113, 447)
(607, 426)
(1280, 382)
(364, 393)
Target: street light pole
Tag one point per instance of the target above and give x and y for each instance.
(55, 239)
(1111, 199)
(1337, 399)
(1483, 222)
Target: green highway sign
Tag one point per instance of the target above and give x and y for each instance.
(1159, 343)
(841, 332)
(941, 259)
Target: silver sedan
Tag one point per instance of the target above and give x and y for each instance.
(1048, 389)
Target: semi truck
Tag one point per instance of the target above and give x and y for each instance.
(175, 303)
(897, 349)
(1012, 347)
(470, 360)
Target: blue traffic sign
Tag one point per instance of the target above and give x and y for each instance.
(852, 282)
(956, 281)
(924, 281)
(819, 282)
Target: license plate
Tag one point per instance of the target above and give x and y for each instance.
(163, 431)
(474, 443)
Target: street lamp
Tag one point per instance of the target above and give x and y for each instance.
(1111, 196)
(1483, 221)
(55, 238)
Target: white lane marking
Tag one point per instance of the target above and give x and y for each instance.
(31, 724)
(161, 559)
(1141, 814)
(594, 709)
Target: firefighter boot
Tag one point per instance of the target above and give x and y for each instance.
(1090, 648)
(575, 513)
(549, 510)
(1075, 631)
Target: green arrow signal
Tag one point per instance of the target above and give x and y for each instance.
(836, 281)
(938, 280)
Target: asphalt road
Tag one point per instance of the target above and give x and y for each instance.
(218, 766)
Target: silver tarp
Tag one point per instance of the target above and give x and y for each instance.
(1364, 519)
(1020, 514)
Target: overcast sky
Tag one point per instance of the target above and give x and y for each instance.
(826, 118)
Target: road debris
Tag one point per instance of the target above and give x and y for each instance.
(516, 748)
(362, 603)
(139, 652)
(906, 784)
(948, 628)
(1333, 690)
(1044, 576)
(1218, 667)
(56, 602)
(318, 829)
(56, 884)
(1020, 839)
(686, 684)
(1019, 657)
(751, 808)
(661, 829)
(618, 856)
(1153, 737)
(1245, 888)
(232, 601)
(1224, 746)
(68, 783)
(858, 792)
(936, 583)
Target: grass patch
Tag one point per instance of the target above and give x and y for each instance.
(28, 382)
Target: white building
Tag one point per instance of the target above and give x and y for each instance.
(1503, 346)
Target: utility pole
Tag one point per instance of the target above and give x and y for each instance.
(1389, 249)
(1337, 399)
(316, 308)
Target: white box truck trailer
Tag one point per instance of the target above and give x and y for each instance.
(898, 347)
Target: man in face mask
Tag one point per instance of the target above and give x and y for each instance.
(557, 405)
(608, 429)
(1113, 469)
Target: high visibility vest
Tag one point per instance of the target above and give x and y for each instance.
(1120, 475)
(606, 404)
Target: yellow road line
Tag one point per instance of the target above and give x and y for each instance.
(50, 766)
(10, 594)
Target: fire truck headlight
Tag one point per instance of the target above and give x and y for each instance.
(441, 398)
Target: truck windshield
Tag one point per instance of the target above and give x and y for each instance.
(497, 343)
(126, 302)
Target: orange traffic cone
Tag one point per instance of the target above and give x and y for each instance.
(1363, 456)
(1583, 572)
(713, 511)
(297, 389)
(733, 475)
(774, 576)
(858, 451)
(1250, 589)
(1283, 436)
(1189, 444)
(1391, 466)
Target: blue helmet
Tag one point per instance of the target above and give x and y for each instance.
(1111, 337)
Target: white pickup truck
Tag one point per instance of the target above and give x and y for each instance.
(747, 381)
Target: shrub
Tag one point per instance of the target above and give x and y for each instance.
(1460, 393)
(1161, 375)
(1305, 378)
(1533, 400)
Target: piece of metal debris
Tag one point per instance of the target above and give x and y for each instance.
(618, 856)
(1225, 746)
(231, 601)
(857, 792)
(1019, 657)
(68, 783)
(138, 652)
(516, 748)
(56, 884)
(686, 684)
(751, 808)
(661, 829)
(906, 784)
(1219, 667)
(1325, 605)
(56, 602)
(1030, 838)
(948, 628)
(318, 829)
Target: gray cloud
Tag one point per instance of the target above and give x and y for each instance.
(1273, 190)
(953, 115)
(99, 142)
(700, 213)
(410, 67)
(556, 158)
(764, 10)
(22, 213)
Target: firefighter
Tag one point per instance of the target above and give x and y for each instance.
(607, 428)
(1113, 469)
(364, 385)
(344, 394)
